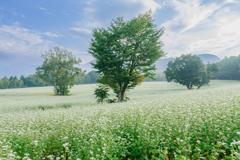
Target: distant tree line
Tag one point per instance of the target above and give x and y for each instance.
(34, 81)
(157, 77)
(28, 81)
(229, 69)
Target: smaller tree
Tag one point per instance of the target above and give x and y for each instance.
(5, 82)
(187, 70)
(101, 93)
(60, 67)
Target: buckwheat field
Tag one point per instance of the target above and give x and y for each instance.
(162, 121)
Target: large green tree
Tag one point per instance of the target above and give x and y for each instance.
(126, 51)
(187, 70)
(60, 66)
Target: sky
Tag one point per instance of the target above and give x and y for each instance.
(30, 28)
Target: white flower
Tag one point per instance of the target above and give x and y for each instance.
(65, 145)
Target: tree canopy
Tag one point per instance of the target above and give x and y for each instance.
(229, 68)
(126, 51)
(190, 71)
(59, 67)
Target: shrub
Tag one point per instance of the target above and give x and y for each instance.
(101, 93)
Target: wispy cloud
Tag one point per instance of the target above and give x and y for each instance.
(15, 13)
(50, 13)
(17, 41)
(23, 16)
(42, 8)
(202, 28)
(145, 5)
(50, 34)
(81, 32)
(95, 15)
(18, 14)
(64, 12)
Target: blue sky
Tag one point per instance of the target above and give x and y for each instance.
(29, 28)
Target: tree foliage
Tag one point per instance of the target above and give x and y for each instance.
(208, 74)
(190, 71)
(60, 67)
(101, 93)
(126, 51)
(229, 68)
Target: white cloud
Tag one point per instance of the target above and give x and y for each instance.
(50, 34)
(15, 13)
(80, 32)
(42, 8)
(100, 14)
(64, 12)
(202, 28)
(146, 4)
(50, 13)
(18, 14)
(232, 1)
(16, 40)
(23, 16)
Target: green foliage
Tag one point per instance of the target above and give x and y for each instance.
(126, 51)
(93, 76)
(88, 78)
(157, 77)
(5, 82)
(1, 84)
(59, 65)
(229, 68)
(189, 71)
(35, 81)
(101, 93)
(208, 74)
(112, 100)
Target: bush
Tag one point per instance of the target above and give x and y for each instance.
(101, 93)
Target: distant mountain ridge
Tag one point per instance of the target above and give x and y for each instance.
(18, 69)
(209, 58)
(25, 69)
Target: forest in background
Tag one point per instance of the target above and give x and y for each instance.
(34, 81)
(229, 69)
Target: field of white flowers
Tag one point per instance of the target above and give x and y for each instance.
(162, 121)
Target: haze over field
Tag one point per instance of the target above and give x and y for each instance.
(29, 28)
(25, 69)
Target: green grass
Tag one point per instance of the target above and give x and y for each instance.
(161, 120)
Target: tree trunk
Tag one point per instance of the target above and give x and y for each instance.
(199, 86)
(189, 86)
(122, 95)
(119, 93)
(55, 89)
